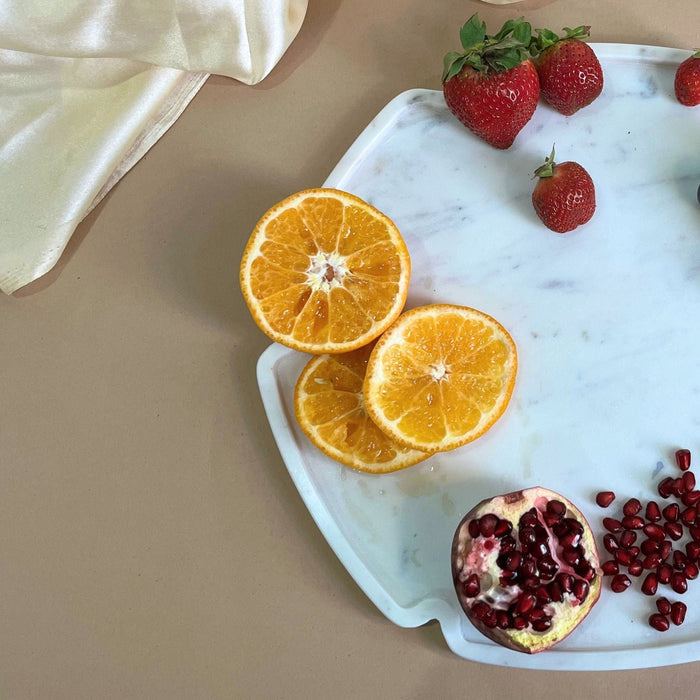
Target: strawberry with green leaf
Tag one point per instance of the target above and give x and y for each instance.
(569, 71)
(491, 86)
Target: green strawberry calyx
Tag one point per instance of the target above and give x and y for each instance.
(544, 38)
(547, 168)
(489, 53)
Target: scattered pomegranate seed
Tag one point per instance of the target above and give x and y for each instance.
(664, 573)
(679, 583)
(678, 610)
(628, 538)
(659, 622)
(650, 584)
(612, 525)
(620, 583)
(663, 605)
(635, 568)
(654, 532)
(605, 498)
(674, 530)
(652, 512)
(692, 551)
(611, 544)
(688, 480)
(671, 512)
(610, 567)
(665, 548)
(683, 459)
(665, 487)
(691, 571)
(632, 507)
(690, 498)
(632, 522)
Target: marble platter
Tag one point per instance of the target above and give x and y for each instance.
(607, 323)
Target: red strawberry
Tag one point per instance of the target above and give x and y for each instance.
(569, 71)
(564, 196)
(492, 87)
(687, 83)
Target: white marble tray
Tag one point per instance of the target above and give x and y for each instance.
(607, 323)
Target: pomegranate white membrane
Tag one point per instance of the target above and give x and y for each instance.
(526, 568)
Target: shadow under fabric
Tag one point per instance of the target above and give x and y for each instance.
(87, 88)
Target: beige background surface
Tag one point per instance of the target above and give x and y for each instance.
(152, 543)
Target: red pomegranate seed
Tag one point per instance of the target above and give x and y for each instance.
(570, 539)
(543, 595)
(480, 609)
(635, 568)
(624, 557)
(692, 551)
(652, 511)
(580, 589)
(519, 622)
(694, 531)
(665, 487)
(663, 605)
(491, 619)
(632, 506)
(671, 512)
(689, 516)
(679, 560)
(649, 546)
(674, 530)
(611, 544)
(605, 498)
(651, 561)
(691, 498)
(664, 573)
(688, 480)
(678, 487)
(471, 586)
(503, 528)
(665, 548)
(632, 522)
(556, 507)
(542, 625)
(679, 582)
(659, 622)
(683, 459)
(512, 561)
(650, 584)
(612, 525)
(555, 592)
(502, 619)
(620, 583)
(566, 581)
(678, 610)
(525, 603)
(627, 538)
(691, 571)
(473, 528)
(654, 532)
(487, 524)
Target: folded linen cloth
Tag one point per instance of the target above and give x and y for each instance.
(86, 88)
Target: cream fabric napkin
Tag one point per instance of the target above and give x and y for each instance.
(88, 86)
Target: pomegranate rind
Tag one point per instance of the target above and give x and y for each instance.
(566, 617)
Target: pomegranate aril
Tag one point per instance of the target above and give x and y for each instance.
(570, 539)
(539, 549)
(689, 516)
(632, 522)
(690, 498)
(487, 524)
(555, 592)
(652, 511)
(663, 605)
(556, 507)
(694, 531)
(679, 560)
(632, 507)
(665, 548)
(519, 622)
(624, 557)
(530, 583)
(612, 525)
(543, 595)
(525, 603)
(471, 586)
(547, 567)
(491, 619)
(664, 573)
(542, 625)
(691, 571)
(571, 556)
(651, 561)
(671, 512)
(665, 487)
(473, 528)
(585, 571)
(650, 584)
(580, 589)
(688, 480)
(627, 538)
(503, 528)
(659, 622)
(620, 583)
(692, 551)
(480, 609)
(678, 488)
(566, 581)
(502, 620)
(678, 610)
(679, 582)
(610, 543)
(649, 546)
(654, 532)
(529, 519)
(635, 568)
(610, 567)
(508, 544)
(527, 535)
(683, 459)
(674, 530)
(510, 561)
(604, 498)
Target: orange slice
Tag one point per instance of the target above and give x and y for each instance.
(440, 377)
(325, 272)
(330, 409)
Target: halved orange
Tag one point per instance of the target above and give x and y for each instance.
(440, 377)
(330, 409)
(325, 272)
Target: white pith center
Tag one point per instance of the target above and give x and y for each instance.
(439, 371)
(327, 270)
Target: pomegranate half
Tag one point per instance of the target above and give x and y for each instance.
(526, 568)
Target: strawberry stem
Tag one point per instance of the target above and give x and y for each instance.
(546, 37)
(547, 168)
